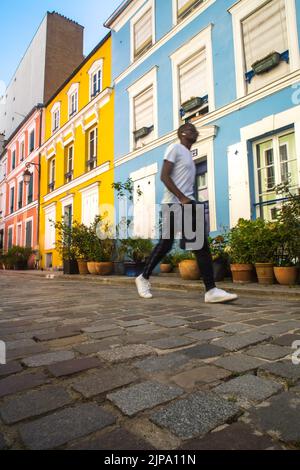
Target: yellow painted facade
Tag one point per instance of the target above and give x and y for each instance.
(77, 157)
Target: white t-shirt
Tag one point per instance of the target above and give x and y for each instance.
(183, 174)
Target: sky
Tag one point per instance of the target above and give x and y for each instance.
(20, 19)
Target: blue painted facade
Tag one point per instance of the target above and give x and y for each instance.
(225, 91)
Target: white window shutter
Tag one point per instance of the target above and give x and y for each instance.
(50, 229)
(193, 77)
(143, 109)
(143, 32)
(144, 204)
(265, 31)
(238, 182)
(184, 5)
(90, 207)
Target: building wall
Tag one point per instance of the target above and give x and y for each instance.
(92, 113)
(28, 210)
(229, 116)
(54, 52)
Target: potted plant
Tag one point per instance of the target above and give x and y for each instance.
(136, 250)
(107, 247)
(239, 249)
(188, 267)
(65, 247)
(219, 257)
(288, 228)
(266, 63)
(263, 247)
(166, 264)
(81, 241)
(17, 257)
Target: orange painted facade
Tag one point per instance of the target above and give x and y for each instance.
(21, 216)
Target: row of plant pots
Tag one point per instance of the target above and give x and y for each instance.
(265, 273)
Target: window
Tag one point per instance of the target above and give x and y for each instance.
(19, 234)
(69, 164)
(10, 238)
(73, 104)
(142, 32)
(93, 145)
(50, 217)
(55, 120)
(193, 78)
(51, 184)
(96, 78)
(22, 151)
(264, 32)
(68, 215)
(96, 83)
(30, 190)
(185, 7)
(13, 160)
(193, 85)
(28, 236)
(266, 42)
(143, 110)
(276, 163)
(20, 195)
(12, 200)
(143, 117)
(31, 141)
(90, 205)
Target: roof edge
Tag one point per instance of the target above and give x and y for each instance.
(117, 13)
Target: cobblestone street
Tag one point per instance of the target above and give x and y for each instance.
(91, 366)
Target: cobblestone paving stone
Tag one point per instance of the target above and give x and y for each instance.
(96, 367)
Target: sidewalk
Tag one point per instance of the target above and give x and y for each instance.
(175, 283)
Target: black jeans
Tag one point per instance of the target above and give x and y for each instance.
(165, 245)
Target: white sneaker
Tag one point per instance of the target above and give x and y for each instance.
(143, 287)
(216, 295)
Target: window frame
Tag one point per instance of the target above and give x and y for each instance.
(73, 91)
(240, 11)
(92, 160)
(13, 159)
(96, 67)
(12, 228)
(28, 187)
(203, 40)
(55, 111)
(150, 5)
(51, 176)
(149, 79)
(30, 219)
(275, 138)
(30, 133)
(12, 207)
(69, 171)
(196, 11)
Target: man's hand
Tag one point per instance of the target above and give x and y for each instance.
(185, 200)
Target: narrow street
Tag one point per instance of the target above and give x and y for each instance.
(92, 366)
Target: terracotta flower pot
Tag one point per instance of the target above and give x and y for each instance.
(286, 276)
(165, 268)
(82, 266)
(91, 265)
(189, 270)
(104, 268)
(242, 273)
(265, 273)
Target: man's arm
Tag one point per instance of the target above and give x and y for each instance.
(169, 183)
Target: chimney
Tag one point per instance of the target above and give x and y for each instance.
(2, 142)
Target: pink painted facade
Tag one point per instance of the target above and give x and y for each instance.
(21, 204)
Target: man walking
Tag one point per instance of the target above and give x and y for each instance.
(178, 175)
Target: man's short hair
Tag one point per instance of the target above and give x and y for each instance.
(184, 127)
